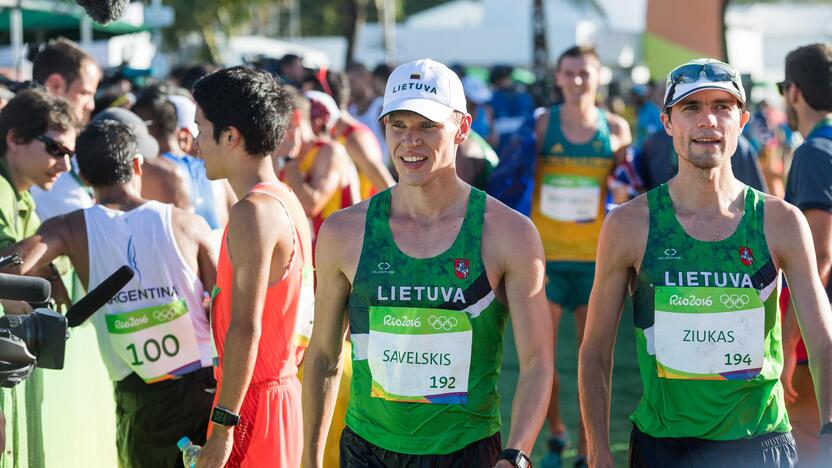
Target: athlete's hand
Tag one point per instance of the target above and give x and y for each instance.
(218, 448)
(787, 376)
(601, 459)
(503, 464)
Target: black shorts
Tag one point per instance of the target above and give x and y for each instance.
(151, 418)
(358, 453)
(776, 449)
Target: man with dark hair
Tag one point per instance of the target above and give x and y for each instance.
(161, 179)
(242, 115)
(579, 146)
(154, 334)
(807, 90)
(175, 136)
(701, 257)
(290, 69)
(65, 70)
(37, 136)
(365, 102)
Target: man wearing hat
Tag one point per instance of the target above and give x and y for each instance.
(701, 256)
(426, 274)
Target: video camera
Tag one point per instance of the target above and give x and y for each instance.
(39, 339)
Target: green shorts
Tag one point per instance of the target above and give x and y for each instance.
(568, 284)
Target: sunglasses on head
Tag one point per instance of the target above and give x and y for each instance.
(714, 71)
(55, 149)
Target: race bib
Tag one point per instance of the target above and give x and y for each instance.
(570, 198)
(157, 343)
(306, 309)
(709, 333)
(419, 355)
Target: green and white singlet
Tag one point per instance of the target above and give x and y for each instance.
(427, 340)
(708, 333)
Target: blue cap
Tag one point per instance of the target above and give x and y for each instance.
(184, 443)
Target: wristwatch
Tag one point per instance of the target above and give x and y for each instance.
(517, 458)
(224, 417)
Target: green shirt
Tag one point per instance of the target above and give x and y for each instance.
(708, 334)
(427, 340)
(18, 219)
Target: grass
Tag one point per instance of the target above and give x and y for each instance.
(626, 388)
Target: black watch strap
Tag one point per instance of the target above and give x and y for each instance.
(224, 417)
(517, 458)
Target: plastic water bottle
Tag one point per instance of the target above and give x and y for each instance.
(190, 452)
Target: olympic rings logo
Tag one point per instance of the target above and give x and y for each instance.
(165, 315)
(734, 301)
(439, 322)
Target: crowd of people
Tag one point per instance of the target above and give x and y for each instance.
(325, 262)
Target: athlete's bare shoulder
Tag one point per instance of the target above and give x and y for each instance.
(506, 230)
(784, 223)
(541, 125)
(341, 237)
(189, 225)
(625, 230)
(620, 129)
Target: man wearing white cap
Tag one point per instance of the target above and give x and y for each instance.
(701, 256)
(426, 274)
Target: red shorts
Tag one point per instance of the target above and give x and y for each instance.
(270, 432)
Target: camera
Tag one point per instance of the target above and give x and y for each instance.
(29, 341)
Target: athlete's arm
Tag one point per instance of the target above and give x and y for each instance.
(523, 264)
(790, 239)
(820, 223)
(193, 236)
(364, 149)
(621, 137)
(322, 364)
(255, 226)
(324, 181)
(613, 267)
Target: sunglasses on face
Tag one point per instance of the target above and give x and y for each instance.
(714, 71)
(55, 149)
(783, 86)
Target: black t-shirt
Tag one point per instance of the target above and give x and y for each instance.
(809, 184)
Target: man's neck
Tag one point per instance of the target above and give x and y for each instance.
(121, 197)
(695, 189)
(18, 181)
(170, 146)
(433, 200)
(250, 171)
(809, 118)
(582, 111)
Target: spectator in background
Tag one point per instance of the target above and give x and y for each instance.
(361, 143)
(475, 158)
(290, 70)
(172, 125)
(648, 114)
(66, 71)
(363, 103)
(511, 104)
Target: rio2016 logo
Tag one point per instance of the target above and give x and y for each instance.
(690, 300)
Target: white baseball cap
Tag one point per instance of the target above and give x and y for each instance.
(425, 87)
(185, 113)
(701, 74)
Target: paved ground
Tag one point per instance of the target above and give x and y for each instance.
(626, 390)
